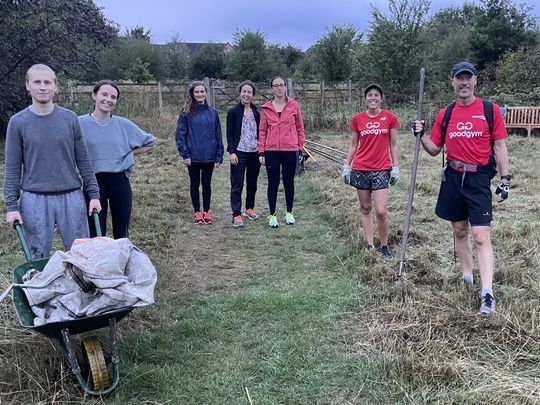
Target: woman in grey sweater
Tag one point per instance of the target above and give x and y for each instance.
(112, 143)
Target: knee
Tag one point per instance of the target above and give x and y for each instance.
(365, 209)
(461, 232)
(482, 237)
(382, 215)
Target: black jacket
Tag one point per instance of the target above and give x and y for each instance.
(234, 125)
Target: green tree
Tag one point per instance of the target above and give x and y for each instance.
(139, 33)
(208, 61)
(334, 53)
(63, 34)
(176, 59)
(500, 27)
(117, 60)
(291, 57)
(396, 47)
(250, 58)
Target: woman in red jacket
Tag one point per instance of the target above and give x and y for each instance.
(281, 140)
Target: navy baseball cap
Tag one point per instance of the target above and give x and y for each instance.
(463, 67)
(373, 86)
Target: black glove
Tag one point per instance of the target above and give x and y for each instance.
(503, 189)
(413, 129)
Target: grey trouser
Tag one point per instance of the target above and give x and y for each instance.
(41, 212)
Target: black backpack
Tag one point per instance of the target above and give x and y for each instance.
(491, 166)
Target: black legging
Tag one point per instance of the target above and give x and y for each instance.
(248, 167)
(277, 162)
(200, 173)
(115, 192)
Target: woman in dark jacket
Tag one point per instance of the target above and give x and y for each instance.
(242, 145)
(198, 138)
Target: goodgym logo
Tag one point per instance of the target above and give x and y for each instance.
(467, 126)
(373, 129)
(373, 125)
(464, 131)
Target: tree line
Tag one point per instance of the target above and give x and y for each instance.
(75, 38)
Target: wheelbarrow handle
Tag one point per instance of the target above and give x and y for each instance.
(97, 224)
(20, 233)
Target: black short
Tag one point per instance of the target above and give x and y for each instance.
(370, 180)
(468, 197)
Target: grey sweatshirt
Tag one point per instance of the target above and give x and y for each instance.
(110, 143)
(43, 153)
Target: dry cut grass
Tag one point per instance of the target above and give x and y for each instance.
(435, 346)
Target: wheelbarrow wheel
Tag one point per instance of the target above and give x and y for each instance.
(96, 361)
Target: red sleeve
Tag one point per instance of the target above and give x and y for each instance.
(300, 128)
(263, 125)
(436, 131)
(353, 126)
(394, 122)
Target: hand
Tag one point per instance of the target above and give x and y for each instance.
(300, 156)
(394, 175)
(503, 190)
(346, 173)
(233, 159)
(13, 216)
(261, 160)
(187, 161)
(94, 205)
(418, 128)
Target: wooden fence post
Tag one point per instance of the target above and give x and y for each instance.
(321, 85)
(209, 97)
(350, 91)
(160, 96)
(290, 88)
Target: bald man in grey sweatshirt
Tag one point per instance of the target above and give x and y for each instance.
(45, 153)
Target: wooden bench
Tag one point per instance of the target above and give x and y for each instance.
(523, 117)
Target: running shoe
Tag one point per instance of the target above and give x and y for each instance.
(289, 218)
(488, 304)
(250, 214)
(208, 217)
(272, 221)
(199, 218)
(385, 252)
(237, 221)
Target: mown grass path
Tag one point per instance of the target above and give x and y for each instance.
(245, 310)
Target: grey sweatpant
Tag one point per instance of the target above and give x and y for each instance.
(41, 212)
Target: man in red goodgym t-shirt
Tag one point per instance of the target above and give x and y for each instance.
(465, 194)
(373, 155)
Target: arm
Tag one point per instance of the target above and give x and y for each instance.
(142, 150)
(233, 159)
(139, 141)
(219, 140)
(181, 136)
(84, 164)
(501, 155)
(394, 156)
(300, 128)
(427, 144)
(263, 128)
(353, 146)
(13, 168)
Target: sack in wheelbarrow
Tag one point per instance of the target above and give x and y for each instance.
(97, 276)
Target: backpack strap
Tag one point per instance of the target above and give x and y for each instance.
(488, 113)
(444, 128)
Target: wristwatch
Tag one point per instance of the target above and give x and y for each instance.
(507, 177)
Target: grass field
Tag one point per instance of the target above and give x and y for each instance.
(304, 314)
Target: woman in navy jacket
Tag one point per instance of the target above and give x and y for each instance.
(198, 139)
(242, 145)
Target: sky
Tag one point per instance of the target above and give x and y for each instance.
(297, 22)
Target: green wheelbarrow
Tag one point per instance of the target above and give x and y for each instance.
(103, 376)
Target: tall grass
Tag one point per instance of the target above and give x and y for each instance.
(304, 314)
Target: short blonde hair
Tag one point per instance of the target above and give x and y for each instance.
(40, 66)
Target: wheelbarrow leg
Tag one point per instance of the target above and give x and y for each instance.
(70, 354)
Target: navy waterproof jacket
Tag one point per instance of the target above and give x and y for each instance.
(198, 135)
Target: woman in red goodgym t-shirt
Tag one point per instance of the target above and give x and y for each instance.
(372, 163)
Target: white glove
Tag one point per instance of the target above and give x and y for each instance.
(346, 174)
(394, 175)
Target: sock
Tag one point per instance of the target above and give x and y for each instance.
(469, 279)
(487, 291)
